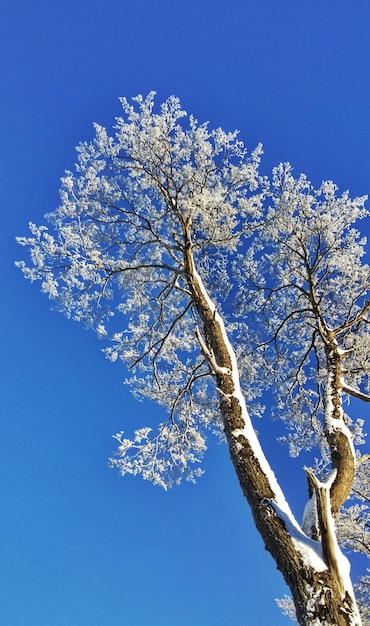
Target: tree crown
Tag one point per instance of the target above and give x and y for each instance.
(168, 229)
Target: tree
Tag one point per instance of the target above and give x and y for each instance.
(168, 228)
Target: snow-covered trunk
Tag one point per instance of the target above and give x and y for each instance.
(321, 593)
(337, 433)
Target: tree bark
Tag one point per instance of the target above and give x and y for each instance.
(322, 592)
(337, 433)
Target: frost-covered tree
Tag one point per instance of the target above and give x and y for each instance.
(213, 285)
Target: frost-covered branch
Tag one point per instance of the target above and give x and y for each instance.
(115, 251)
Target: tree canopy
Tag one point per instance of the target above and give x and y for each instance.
(215, 284)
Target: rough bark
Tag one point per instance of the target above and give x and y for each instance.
(322, 596)
(336, 431)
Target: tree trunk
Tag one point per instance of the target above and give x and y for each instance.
(315, 571)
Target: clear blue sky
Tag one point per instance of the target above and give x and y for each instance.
(78, 545)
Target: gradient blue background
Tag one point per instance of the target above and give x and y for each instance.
(78, 545)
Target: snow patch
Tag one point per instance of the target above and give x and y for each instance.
(309, 549)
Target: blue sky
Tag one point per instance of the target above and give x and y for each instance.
(78, 545)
